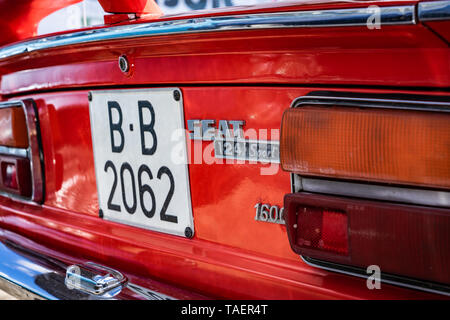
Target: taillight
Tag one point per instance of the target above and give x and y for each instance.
(9, 175)
(382, 145)
(330, 142)
(16, 176)
(411, 241)
(13, 128)
(322, 229)
(20, 151)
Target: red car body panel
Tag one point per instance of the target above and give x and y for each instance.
(253, 75)
(230, 252)
(404, 56)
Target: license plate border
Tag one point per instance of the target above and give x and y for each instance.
(191, 225)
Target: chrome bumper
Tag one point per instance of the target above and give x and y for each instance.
(25, 274)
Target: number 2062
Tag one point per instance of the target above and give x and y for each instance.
(143, 170)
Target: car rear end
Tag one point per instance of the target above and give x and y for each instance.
(289, 151)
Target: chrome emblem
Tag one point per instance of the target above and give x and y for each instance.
(267, 213)
(231, 142)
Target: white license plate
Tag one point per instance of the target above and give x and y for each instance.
(139, 146)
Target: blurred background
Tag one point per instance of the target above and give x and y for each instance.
(90, 13)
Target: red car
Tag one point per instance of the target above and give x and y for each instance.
(292, 150)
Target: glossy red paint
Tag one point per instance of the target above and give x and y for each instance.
(407, 56)
(230, 252)
(248, 75)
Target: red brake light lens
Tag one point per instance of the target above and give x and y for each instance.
(322, 229)
(15, 176)
(405, 240)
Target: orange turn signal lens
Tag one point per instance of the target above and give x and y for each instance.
(383, 145)
(13, 128)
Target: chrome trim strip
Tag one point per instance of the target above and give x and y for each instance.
(35, 153)
(385, 278)
(434, 10)
(296, 183)
(366, 102)
(377, 192)
(10, 104)
(395, 15)
(15, 152)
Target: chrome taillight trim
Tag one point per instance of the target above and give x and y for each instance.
(377, 192)
(359, 17)
(33, 152)
(400, 281)
(434, 10)
(14, 152)
(384, 101)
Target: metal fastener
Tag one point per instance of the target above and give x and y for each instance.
(188, 233)
(176, 95)
(123, 64)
